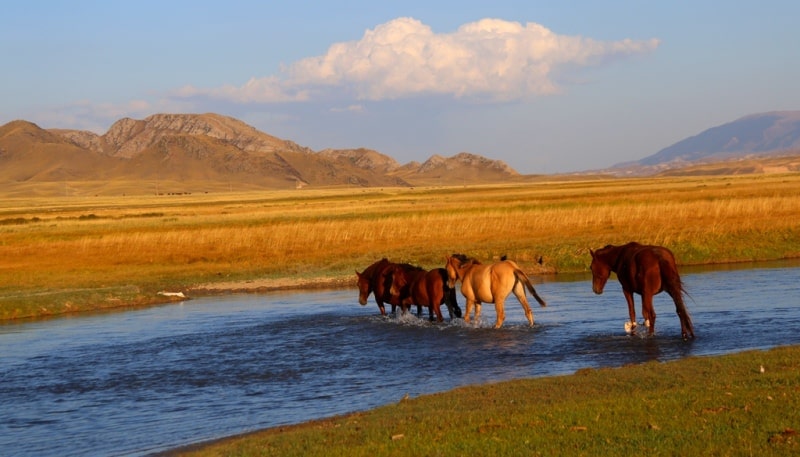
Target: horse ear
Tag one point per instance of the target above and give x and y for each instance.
(591, 252)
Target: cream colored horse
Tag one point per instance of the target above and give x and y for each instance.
(491, 284)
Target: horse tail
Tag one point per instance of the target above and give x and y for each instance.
(523, 278)
(677, 290)
(683, 306)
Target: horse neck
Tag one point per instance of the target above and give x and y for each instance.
(611, 257)
(463, 270)
(373, 269)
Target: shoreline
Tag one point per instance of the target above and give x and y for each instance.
(266, 285)
(269, 285)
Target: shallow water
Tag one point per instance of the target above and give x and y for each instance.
(140, 382)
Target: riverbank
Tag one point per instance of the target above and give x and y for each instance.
(738, 404)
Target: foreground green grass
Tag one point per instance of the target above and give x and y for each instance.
(698, 406)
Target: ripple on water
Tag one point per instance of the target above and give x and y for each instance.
(137, 382)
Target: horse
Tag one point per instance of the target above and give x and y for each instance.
(375, 279)
(491, 284)
(424, 288)
(646, 270)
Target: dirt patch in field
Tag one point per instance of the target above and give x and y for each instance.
(270, 284)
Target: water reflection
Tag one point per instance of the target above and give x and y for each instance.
(138, 382)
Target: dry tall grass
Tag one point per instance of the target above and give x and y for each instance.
(157, 242)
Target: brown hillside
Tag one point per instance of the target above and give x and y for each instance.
(205, 149)
(462, 168)
(28, 152)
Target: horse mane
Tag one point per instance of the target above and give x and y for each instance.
(408, 266)
(464, 259)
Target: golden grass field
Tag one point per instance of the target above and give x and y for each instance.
(71, 253)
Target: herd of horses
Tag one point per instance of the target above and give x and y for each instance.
(645, 270)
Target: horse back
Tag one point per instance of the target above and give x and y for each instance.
(648, 266)
(668, 268)
(490, 281)
(430, 287)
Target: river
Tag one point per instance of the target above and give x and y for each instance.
(140, 382)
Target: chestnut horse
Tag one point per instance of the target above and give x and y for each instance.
(647, 271)
(491, 284)
(424, 288)
(375, 280)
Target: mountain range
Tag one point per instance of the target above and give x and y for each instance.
(756, 135)
(214, 148)
(195, 150)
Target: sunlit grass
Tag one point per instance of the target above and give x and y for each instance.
(155, 242)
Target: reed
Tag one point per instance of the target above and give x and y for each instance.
(149, 243)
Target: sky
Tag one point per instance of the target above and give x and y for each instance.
(545, 86)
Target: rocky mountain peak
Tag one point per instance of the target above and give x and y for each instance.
(466, 160)
(127, 137)
(366, 159)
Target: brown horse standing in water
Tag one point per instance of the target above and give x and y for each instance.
(647, 271)
(424, 288)
(491, 284)
(376, 280)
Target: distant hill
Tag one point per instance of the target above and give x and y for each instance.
(750, 164)
(757, 135)
(753, 134)
(210, 148)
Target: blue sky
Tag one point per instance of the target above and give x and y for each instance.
(545, 86)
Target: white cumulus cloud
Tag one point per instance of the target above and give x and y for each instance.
(491, 59)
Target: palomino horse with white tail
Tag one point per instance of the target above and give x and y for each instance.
(490, 284)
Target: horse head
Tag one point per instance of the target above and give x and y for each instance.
(456, 266)
(601, 271)
(364, 287)
(396, 275)
(452, 264)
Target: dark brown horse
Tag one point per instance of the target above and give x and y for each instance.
(424, 288)
(375, 279)
(647, 271)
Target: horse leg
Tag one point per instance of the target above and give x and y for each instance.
(381, 307)
(519, 292)
(631, 307)
(687, 329)
(648, 312)
(434, 296)
(452, 303)
(469, 306)
(501, 312)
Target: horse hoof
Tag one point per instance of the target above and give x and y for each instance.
(629, 326)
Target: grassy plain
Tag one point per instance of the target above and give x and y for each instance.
(74, 253)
